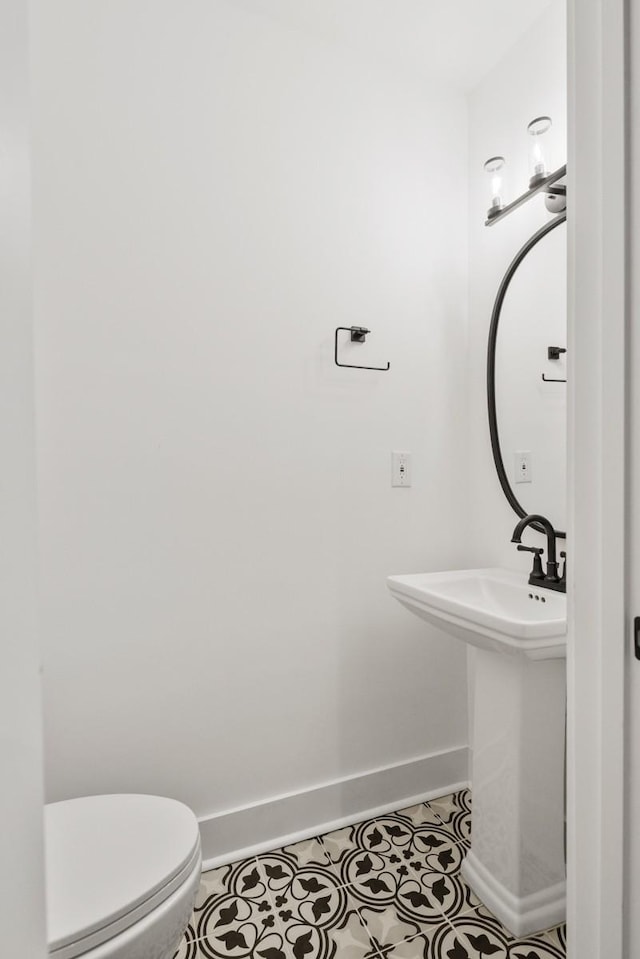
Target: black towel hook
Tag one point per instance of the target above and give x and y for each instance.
(358, 335)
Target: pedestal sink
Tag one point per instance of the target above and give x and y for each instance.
(516, 864)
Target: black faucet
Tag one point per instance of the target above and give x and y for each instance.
(550, 579)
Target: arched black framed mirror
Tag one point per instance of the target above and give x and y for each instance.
(526, 377)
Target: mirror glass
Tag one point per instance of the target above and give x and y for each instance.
(531, 414)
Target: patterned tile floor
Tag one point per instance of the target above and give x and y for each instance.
(389, 888)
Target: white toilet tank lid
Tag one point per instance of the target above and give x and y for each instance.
(108, 855)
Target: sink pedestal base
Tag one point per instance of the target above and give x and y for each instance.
(516, 865)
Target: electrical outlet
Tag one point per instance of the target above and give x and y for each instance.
(522, 468)
(400, 468)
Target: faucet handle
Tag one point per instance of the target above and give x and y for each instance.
(536, 572)
(563, 574)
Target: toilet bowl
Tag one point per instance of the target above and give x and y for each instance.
(122, 875)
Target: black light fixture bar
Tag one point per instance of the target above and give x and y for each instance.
(538, 188)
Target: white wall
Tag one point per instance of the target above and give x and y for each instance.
(530, 81)
(214, 195)
(21, 879)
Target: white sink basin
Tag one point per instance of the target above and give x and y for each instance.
(493, 609)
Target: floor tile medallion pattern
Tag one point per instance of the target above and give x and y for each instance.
(388, 888)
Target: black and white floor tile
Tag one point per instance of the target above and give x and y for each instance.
(388, 888)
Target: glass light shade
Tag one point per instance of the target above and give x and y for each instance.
(494, 167)
(537, 164)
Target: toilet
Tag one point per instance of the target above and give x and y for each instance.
(122, 875)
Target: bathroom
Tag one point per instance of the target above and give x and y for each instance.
(216, 188)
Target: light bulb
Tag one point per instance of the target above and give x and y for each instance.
(537, 166)
(494, 167)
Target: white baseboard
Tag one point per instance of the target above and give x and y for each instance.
(522, 915)
(260, 827)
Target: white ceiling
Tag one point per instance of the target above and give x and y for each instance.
(454, 41)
